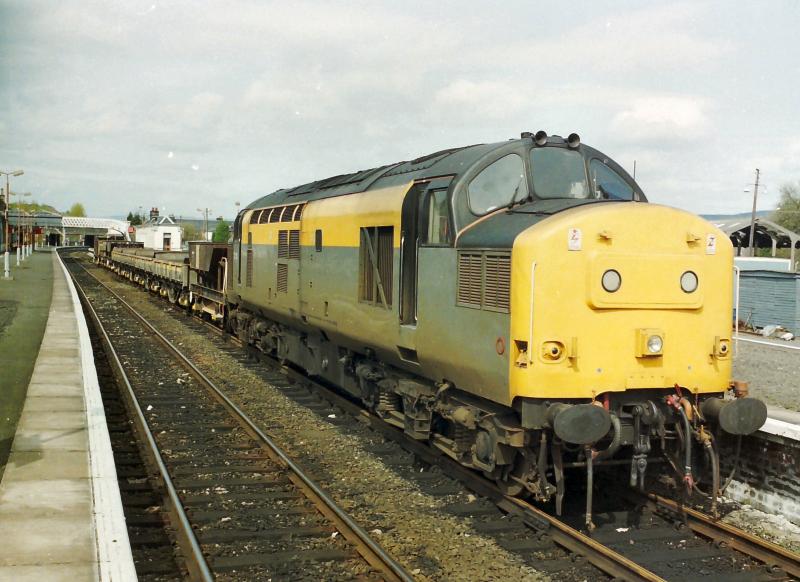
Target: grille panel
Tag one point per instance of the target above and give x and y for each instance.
(283, 244)
(283, 278)
(294, 244)
(469, 279)
(484, 281)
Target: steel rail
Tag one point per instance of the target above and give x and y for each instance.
(192, 553)
(762, 550)
(370, 550)
(607, 560)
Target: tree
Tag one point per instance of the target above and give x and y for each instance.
(76, 209)
(189, 231)
(788, 212)
(222, 232)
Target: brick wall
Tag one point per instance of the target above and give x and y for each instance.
(769, 474)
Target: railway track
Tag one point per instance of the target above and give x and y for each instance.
(667, 554)
(239, 506)
(747, 557)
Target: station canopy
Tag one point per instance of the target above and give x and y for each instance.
(768, 235)
(96, 226)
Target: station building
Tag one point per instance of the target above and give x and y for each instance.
(160, 233)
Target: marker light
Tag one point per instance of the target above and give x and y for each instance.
(689, 282)
(611, 280)
(655, 344)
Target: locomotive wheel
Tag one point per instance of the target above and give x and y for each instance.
(507, 485)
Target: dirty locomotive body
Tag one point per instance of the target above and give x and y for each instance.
(519, 305)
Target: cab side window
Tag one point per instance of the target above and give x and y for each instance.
(607, 183)
(498, 185)
(438, 232)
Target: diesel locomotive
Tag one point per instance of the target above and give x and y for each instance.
(519, 305)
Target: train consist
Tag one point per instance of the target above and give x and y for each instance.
(518, 305)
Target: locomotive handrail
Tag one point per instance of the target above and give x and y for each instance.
(530, 327)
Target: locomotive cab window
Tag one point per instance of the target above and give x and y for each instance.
(438, 218)
(607, 183)
(558, 173)
(499, 184)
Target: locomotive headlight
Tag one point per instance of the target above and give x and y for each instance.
(611, 280)
(689, 282)
(655, 344)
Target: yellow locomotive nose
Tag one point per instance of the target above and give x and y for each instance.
(633, 316)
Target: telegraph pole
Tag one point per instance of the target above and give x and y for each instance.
(205, 212)
(753, 217)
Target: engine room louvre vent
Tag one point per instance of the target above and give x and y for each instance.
(283, 244)
(484, 281)
(249, 279)
(469, 279)
(497, 282)
(283, 278)
(294, 244)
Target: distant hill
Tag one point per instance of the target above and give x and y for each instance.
(740, 215)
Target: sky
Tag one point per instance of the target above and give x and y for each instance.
(186, 105)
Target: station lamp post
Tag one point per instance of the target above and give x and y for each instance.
(22, 228)
(6, 270)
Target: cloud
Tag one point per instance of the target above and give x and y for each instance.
(260, 95)
(485, 99)
(663, 118)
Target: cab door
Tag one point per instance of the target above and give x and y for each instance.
(425, 221)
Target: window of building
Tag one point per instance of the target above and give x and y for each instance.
(498, 185)
(607, 183)
(376, 265)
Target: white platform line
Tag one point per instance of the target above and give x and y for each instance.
(766, 343)
(115, 560)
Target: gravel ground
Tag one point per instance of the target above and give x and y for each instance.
(411, 524)
(774, 528)
(773, 373)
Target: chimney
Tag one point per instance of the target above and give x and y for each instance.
(154, 213)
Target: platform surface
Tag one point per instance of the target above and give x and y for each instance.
(61, 517)
(24, 306)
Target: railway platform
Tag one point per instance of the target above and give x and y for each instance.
(61, 517)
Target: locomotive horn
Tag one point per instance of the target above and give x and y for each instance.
(573, 140)
(580, 424)
(741, 416)
(540, 138)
